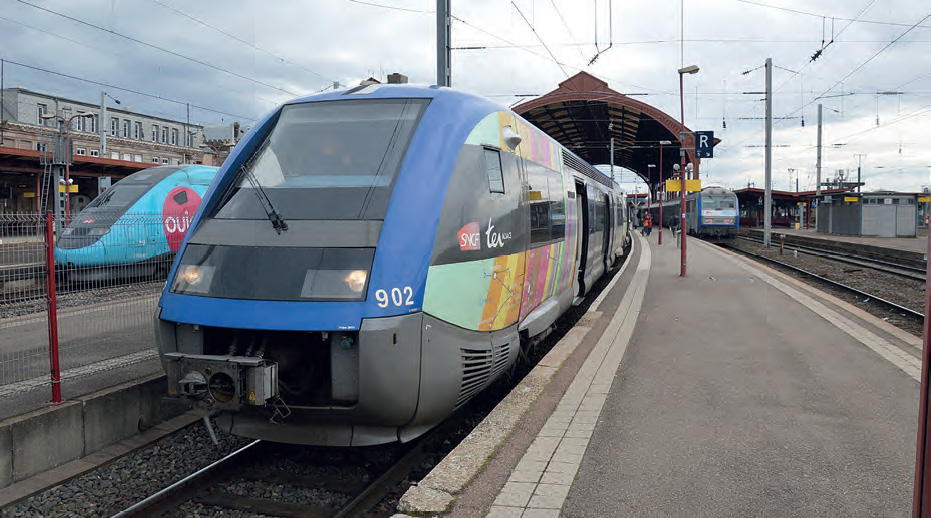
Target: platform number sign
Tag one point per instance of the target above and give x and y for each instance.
(704, 144)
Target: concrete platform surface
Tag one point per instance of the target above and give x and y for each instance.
(740, 392)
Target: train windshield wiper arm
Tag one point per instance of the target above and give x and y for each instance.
(278, 223)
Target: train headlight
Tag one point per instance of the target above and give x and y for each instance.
(192, 278)
(356, 280)
(192, 275)
(98, 231)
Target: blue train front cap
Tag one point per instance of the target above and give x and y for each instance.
(406, 241)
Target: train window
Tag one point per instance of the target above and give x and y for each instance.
(119, 196)
(539, 203)
(557, 211)
(329, 160)
(493, 170)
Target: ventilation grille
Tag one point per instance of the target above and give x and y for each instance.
(479, 367)
(569, 159)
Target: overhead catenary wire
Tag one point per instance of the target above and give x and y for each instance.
(156, 47)
(540, 38)
(240, 40)
(129, 90)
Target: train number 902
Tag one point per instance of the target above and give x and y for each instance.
(399, 297)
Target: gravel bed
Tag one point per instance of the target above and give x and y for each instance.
(900, 290)
(77, 298)
(120, 484)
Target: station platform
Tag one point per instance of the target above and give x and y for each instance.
(736, 391)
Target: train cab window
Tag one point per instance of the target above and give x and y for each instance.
(328, 160)
(493, 170)
(539, 204)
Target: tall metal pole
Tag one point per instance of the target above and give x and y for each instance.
(51, 299)
(103, 124)
(768, 190)
(921, 508)
(612, 155)
(659, 240)
(859, 163)
(683, 223)
(442, 43)
(818, 167)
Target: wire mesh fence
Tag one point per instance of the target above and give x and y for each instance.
(109, 272)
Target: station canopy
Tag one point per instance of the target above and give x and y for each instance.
(583, 114)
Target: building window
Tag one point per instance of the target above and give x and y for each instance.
(137, 158)
(165, 161)
(40, 147)
(175, 161)
(80, 151)
(114, 155)
(125, 129)
(92, 124)
(79, 123)
(95, 152)
(41, 109)
(127, 157)
(174, 137)
(164, 135)
(154, 159)
(155, 133)
(114, 122)
(137, 134)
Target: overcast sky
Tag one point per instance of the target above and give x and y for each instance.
(235, 60)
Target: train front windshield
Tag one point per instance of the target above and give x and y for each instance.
(120, 196)
(327, 160)
(717, 203)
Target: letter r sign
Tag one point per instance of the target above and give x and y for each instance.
(704, 144)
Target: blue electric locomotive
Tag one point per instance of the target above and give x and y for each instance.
(369, 260)
(134, 227)
(711, 214)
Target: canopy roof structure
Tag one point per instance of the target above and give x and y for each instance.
(583, 114)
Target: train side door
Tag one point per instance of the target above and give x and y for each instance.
(608, 254)
(581, 207)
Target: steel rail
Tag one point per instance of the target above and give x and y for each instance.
(897, 307)
(184, 487)
(853, 259)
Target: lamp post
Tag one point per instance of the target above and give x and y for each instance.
(683, 228)
(662, 197)
(67, 150)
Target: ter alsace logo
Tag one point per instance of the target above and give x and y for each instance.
(469, 237)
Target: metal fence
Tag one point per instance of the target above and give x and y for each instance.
(97, 314)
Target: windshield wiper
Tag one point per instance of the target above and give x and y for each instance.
(278, 223)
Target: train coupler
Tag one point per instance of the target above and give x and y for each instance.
(222, 382)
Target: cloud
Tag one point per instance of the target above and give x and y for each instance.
(243, 58)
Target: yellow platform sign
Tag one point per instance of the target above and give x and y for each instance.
(71, 188)
(851, 198)
(690, 185)
(924, 199)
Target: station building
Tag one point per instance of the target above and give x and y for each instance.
(121, 144)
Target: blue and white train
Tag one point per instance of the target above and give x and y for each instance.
(711, 214)
(133, 228)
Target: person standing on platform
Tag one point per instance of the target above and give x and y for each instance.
(648, 224)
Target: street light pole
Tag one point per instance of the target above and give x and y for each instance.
(650, 185)
(67, 151)
(662, 197)
(683, 224)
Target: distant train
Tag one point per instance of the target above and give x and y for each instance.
(133, 228)
(371, 259)
(711, 214)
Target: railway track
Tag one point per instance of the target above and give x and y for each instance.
(205, 487)
(919, 315)
(901, 270)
